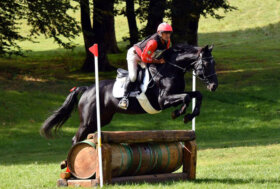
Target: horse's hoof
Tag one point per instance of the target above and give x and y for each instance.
(187, 118)
(175, 114)
(63, 164)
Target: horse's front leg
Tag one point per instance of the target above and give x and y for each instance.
(167, 101)
(196, 111)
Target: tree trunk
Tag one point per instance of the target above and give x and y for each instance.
(87, 34)
(155, 16)
(185, 20)
(102, 32)
(103, 20)
(133, 30)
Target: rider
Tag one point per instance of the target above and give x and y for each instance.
(145, 51)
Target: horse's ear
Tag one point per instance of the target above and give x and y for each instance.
(206, 48)
(211, 47)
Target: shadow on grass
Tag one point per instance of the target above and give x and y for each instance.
(227, 181)
(233, 181)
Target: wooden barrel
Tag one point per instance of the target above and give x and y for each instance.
(127, 159)
(169, 157)
(82, 159)
(132, 159)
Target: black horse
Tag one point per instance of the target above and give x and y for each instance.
(166, 90)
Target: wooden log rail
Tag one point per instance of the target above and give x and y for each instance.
(144, 136)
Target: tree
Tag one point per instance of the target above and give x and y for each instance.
(88, 34)
(152, 12)
(132, 25)
(52, 19)
(185, 15)
(102, 31)
(49, 18)
(155, 16)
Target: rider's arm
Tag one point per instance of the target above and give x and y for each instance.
(150, 48)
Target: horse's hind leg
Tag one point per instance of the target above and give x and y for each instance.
(91, 127)
(83, 131)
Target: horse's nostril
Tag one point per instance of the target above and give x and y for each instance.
(214, 87)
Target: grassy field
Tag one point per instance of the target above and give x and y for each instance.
(238, 130)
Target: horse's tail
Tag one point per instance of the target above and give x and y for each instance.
(60, 116)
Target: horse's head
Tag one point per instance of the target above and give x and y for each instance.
(204, 68)
(201, 61)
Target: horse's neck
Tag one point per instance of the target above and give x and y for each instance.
(166, 72)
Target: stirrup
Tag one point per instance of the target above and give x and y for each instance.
(123, 104)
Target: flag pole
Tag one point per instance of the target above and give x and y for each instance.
(193, 100)
(94, 51)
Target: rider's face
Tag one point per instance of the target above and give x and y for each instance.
(166, 36)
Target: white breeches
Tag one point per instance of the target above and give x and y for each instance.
(132, 60)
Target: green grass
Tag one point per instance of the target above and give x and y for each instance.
(237, 132)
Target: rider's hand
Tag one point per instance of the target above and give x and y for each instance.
(162, 61)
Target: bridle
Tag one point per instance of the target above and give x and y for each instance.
(199, 60)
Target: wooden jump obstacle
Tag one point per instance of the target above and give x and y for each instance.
(132, 157)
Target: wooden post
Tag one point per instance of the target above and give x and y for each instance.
(106, 162)
(189, 159)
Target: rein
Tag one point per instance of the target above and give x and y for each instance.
(185, 69)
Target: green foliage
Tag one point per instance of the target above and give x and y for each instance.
(209, 7)
(10, 13)
(50, 18)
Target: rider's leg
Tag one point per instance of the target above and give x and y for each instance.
(132, 61)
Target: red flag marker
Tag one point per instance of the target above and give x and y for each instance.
(67, 170)
(94, 49)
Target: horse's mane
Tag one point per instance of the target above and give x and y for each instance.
(182, 47)
(186, 48)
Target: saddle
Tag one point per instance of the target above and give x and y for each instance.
(141, 83)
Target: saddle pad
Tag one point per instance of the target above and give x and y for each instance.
(118, 92)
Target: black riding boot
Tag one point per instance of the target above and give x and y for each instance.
(127, 89)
